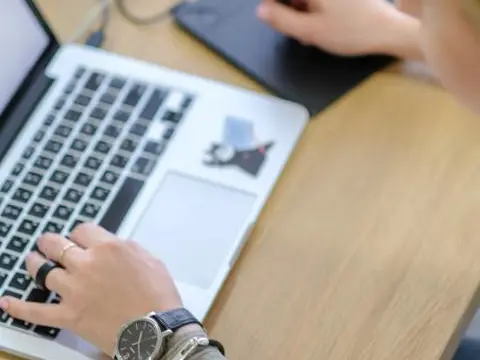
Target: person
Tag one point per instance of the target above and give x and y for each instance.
(443, 33)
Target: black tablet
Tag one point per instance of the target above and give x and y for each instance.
(290, 70)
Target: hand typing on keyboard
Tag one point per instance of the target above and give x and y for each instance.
(104, 284)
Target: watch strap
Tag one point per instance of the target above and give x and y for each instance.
(176, 319)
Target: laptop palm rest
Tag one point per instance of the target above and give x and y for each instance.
(192, 225)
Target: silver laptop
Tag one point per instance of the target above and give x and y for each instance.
(183, 165)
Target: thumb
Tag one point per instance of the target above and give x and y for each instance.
(293, 23)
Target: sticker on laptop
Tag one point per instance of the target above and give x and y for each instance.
(239, 148)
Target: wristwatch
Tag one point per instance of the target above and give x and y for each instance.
(145, 338)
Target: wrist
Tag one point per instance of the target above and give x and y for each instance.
(182, 336)
(400, 36)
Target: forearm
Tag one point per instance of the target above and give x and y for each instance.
(183, 335)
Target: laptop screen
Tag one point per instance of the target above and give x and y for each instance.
(22, 41)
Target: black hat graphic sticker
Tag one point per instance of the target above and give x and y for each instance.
(239, 148)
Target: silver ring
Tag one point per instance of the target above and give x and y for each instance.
(64, 251)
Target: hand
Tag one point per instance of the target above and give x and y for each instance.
(346, 27)
(106, 283)
(412, 7)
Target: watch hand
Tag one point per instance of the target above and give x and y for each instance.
(144, 340)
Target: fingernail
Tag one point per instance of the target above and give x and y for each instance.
(3, 304)
(263, 11)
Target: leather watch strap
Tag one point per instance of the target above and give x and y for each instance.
(177, 318)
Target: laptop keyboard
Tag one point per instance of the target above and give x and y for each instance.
(87, 162)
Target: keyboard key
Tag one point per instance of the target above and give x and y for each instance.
(17, 170)
(83, 100)
(20, 281)
(154, 147)
(63, 212)
(73, 195)
(138, 129)
(43, 162)
(17, 244)
(48, 193)
(129, 145)
(4, 229)
(121, 204)
(53, 146)
(21, 324)
(100, 193)
(52, 227)
(69, 88)
(32, 179)
(93, 163)
(60, 104)
(7, 185)
(22, 195)
(75, 224)
(172, 116)
(59, 177)
(12, 294)
(8, 261)
(187, 101)
(27, 154)
(63, 130)
(90, 210)
(112, 131)
(167, 135)
(98, 113)
(122, 116)
(11, 212)
(143, 166)
(38, 210)
(73, 115)
(153, 105)
(135, 95)
(23, 266)
(38, 295)
(88, 129)
(109, 177)
(49, 120)
(46, 331)
(83, 179)
(108, 98)
(102, 147)
(4, 317)
(117, 83)
(79, 72)
(69, 161)
(28, 227)
(119, 161)
(94, 81)
(3, 277)
(79, 145)
(39, 136)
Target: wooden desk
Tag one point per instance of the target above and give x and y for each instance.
(368, 248)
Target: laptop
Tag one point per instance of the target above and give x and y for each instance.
(181, 164)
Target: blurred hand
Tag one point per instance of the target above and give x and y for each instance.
(412, 7)
(106, 282)
(342, 27)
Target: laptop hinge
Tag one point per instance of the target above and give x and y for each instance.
(24, 109)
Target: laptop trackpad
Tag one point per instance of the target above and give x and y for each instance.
(192, 224)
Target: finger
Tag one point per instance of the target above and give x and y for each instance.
(35, 313)
(296, 24)
(88, 235)
(57, 248)
(58, 280)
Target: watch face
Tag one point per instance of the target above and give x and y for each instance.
(140, 340)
